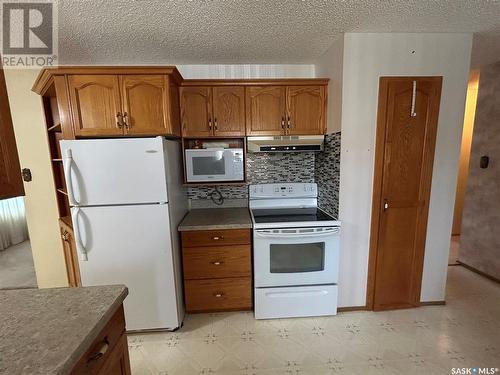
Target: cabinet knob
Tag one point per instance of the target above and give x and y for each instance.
(216, 126)
(218, 294)
(103, 348)
(210, 124)
(65, 236)
(218, 263)
(217, 238)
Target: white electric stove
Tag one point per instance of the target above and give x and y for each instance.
(296, 252)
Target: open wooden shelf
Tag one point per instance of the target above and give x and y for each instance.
(55, 128)
(62, 191)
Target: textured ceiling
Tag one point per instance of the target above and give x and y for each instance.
(254, 31)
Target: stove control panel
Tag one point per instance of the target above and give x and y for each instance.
(285, 190)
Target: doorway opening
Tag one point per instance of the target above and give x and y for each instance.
(16, 258)
(463, 167)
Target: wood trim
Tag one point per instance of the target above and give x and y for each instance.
(42, 82)
(64, 106)
(428, 159)
(475, 270)
(433, 303)
(257, 82)
(352, 308)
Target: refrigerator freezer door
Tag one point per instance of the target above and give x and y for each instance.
(131, 245)
(114, 171)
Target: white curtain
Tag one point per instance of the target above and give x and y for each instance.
(13, 228)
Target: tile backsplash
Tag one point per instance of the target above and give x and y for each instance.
(327, 174)
(263, 168)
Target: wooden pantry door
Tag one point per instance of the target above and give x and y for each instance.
(406, 133)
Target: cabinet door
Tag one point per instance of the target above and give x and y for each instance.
(229, 111)
(196, 111)
(265, 110)
(306, 110)
(95, 102)
(70, 255)
(145, 104)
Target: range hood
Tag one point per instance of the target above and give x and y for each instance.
(286, 143)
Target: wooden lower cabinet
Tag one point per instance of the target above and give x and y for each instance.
(218, 294)
(217, 270)
(70, 253)
(108, 354)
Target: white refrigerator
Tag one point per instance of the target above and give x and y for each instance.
(127, 199)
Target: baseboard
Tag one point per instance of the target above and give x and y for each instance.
(433, 303)
(475, 270)
(352, 308)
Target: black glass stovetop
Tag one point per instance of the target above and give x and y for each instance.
(289, 215)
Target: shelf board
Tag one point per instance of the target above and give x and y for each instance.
(67, 220)
(62, 191)
(55, 128)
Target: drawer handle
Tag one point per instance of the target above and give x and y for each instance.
(100, 353)
(218, 294)
(218, 263)
(217, 238)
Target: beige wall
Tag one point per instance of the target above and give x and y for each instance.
(463, 168)
(480, 237)
(40, 200)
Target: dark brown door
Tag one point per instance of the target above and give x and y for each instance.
(407, 123)
(11, 184)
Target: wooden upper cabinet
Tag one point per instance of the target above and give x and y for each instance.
(196, 111)
(95, 103)
(265, 110)
(229, 111)
(306, 110)
(145, 104)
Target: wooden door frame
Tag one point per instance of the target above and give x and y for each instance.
(427, 166)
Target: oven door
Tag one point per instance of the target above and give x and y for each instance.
(296, 256)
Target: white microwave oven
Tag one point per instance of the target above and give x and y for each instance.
(214, 164)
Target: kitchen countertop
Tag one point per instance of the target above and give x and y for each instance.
(216, 218)
(46, 331)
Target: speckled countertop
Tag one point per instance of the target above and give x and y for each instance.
(46, 331)
(216, 218)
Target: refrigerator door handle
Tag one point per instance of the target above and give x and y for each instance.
(79, 244)
(69, 182)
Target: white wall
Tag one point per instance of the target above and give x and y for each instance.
(241, 71)
(366, 58)
(329, 65)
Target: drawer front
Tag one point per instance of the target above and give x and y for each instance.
(216, 237)
(216, 262)
(218, 294)
(102, 347)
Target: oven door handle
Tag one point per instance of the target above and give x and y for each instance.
(327, 232)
